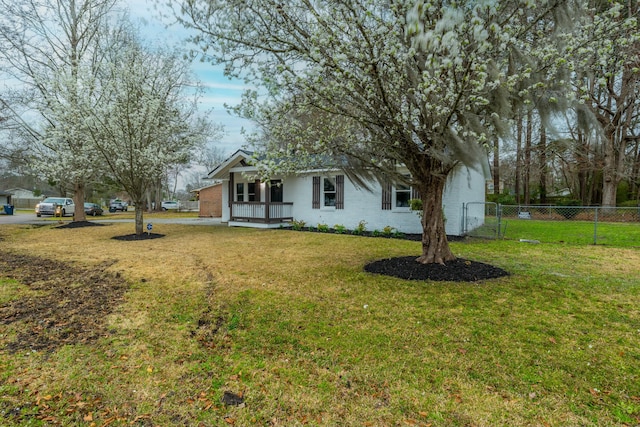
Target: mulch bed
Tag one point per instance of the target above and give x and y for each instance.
(458, 270)
(126, 237)
(136, 237)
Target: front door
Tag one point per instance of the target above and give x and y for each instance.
(276, 191)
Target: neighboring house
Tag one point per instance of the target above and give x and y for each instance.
(24, 199)
(21, 193)
(5, 198)
(329, 197)
(210, 198)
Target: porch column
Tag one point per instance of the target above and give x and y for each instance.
(267, 201)
(231, 184)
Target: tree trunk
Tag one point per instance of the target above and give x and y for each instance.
(542, 155)
(435, 247)
(610, 177)
(581, 155)
(518, 156)
(158, 194)
(635, 173)
(527, 159)
(139, 217)
(496, 166)
(78, 200)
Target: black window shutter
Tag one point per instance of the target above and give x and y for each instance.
(315, 203)
(339, 191)
(386, 196)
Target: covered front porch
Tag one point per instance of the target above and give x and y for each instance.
(265, 214)
(248, 201)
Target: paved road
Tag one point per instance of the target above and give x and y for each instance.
(24, 217)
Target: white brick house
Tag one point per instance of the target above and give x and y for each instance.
(329, 197)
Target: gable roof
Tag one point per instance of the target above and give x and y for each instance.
(240, 157)
(195, 190)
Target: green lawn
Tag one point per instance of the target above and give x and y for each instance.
(618, 234)
(291, 323)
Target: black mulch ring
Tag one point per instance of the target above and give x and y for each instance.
(135, 237)
(80, 224)
(459, 270)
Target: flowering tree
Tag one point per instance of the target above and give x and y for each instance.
(144, 119)
(376, 83)
(50, 51)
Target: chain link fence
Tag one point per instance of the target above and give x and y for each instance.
(619, 226)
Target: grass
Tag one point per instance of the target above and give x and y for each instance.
(618, 234)
(292, 323)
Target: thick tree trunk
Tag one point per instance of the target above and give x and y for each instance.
(78, 200)
(435, 247)
(139, 218)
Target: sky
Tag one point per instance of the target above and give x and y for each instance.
(219, 89)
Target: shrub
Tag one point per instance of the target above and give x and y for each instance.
(388, 230)
(360, 228)
(323, 228)
(398, 234)
(297, 225)
(340, 229)
(376, 233)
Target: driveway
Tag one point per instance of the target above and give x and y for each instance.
(27, 217)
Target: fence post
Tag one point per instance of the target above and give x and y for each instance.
(595, 228)
(464, 218)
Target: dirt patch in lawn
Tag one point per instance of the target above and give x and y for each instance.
(458, 270)
(81, 224)
(69, 305)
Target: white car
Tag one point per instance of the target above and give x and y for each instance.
(170, 205)
(56, 205)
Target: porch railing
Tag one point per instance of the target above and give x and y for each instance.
(261, 212)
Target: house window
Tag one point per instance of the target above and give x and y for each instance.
(240, 192)
(398, 196)
(329, 191)
(276, 191)
(251, 189)
(403, 195)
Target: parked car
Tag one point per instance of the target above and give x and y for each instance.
(56, 206)
(170, 205)
(118, 205)
(92, 209)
